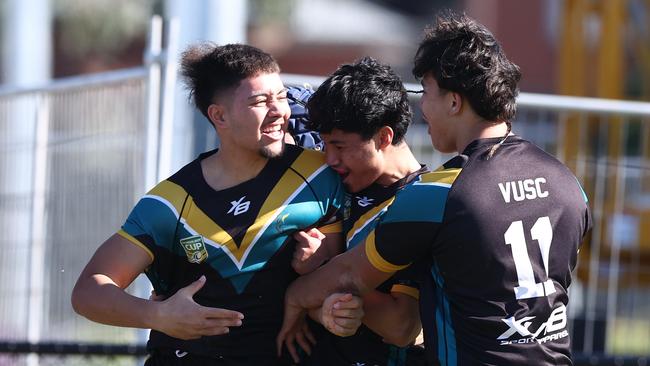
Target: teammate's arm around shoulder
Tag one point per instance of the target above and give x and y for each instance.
(99, 295)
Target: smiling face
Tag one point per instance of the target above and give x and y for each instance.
(255, 114)
(358, 162)
(435, 104)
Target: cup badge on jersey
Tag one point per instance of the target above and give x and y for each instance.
(194, 249)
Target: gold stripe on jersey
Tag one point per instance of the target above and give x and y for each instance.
(376, 260)
(135, 241)
(200, 222)
(286, 188)
(333, 228)
(406, 290)
(192, 216)
(171, 193)
(440, 175)
(366, 218)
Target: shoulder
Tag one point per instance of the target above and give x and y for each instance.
(167, 194)
(425, 198)
(191, 175)
(310, 154)
(175, 190)
(306, 161)
(549, 165)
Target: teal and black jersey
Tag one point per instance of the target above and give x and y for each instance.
(362, 211)
(501, 236)
(240, 238)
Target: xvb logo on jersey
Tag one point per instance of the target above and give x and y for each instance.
(364, 201)
(236, 234)
(239, 207)
(194, 249)
(550, 328)
(347, 207)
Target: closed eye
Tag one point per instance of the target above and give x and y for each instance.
(259, 102)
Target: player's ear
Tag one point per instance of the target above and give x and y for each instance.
(384, 137)
(455, 103)
(216, 113)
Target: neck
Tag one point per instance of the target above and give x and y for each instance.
(230, 167)
(478, 128)
(399, 162)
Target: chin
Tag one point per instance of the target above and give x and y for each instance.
(355, 188)
(273, 151)
(350, 189)
(442, 148)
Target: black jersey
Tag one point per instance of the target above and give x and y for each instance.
(240, 238)
(502, 235)
(362, 211)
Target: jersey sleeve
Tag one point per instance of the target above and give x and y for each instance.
(407, 281)
(152, 222)
(332, 199)
(407, 230)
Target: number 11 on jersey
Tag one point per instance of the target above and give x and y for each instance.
(542, 232)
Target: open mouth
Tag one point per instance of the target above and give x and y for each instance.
(273, 131)
(342, 174)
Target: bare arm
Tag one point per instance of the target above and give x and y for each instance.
(340, 314)
(394, 316)
(347, 272)
(115, 264)
(314, 248)
(99, 295)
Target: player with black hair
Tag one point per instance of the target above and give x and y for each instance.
(215, 239)
(499, 225)
(362, 113)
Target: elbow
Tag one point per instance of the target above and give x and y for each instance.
(77, 299)
(400, 340)
(405, 334)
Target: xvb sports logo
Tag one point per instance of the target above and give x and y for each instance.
(364, 201)
(239, 207)
(555, 322)
(347, 207)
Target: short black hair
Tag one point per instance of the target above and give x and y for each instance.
(209, 69)
(464, 57)
(362, 98)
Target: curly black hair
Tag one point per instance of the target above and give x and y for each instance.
(362, 98)
(208, 69)
(464, 57)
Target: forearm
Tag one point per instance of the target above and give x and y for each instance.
(330, 247)
(310, 264)
(315, 314)
(99, 299)
(393, 316)
(337, 275)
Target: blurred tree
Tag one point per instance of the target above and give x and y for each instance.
(97, 35)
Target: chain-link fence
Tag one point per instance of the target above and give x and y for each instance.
(71, 167)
